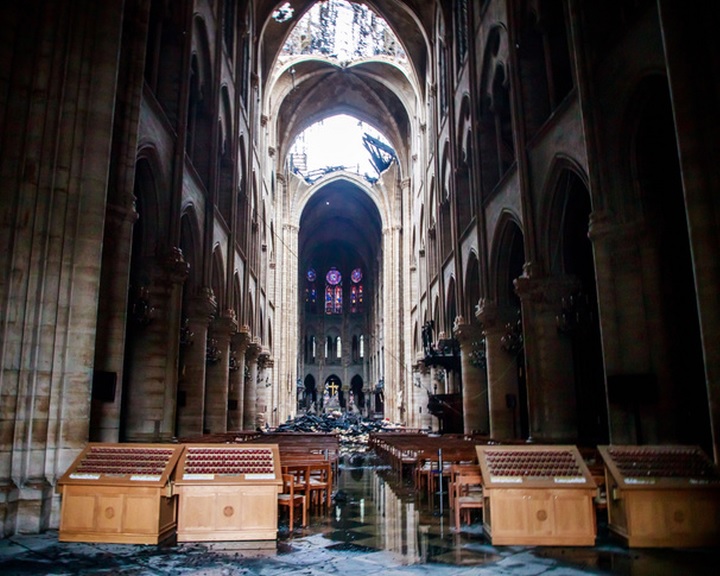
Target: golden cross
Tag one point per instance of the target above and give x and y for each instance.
(332, 387)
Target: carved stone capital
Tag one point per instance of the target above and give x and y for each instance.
(225, 325)
(265, 359)
(175, 266)
(549, 291)
(241, 339)
(486, 313)
(203, 305)
(253, 351)
(466, 332)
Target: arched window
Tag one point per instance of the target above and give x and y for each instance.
(338, 300)
(310, 291)
(362, 346)
(329, 297)
(338, 348)
(356, 291)
(333, 292)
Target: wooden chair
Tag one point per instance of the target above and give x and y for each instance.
(319, 484)
(467, 492)
(299, 472)
(291, 499)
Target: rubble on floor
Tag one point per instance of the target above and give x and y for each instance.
(353, 430)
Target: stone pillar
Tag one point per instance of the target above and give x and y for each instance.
(501, 374)
(149, 395)
(251, 372)
(419, 395)
(191, 389)
(218, 372)
(474, 378)
(548, 357)
(687, 37)
(425, 390)
(264, 370)
(112, 323)
(236, 393)
(287, 335)
(175, 271)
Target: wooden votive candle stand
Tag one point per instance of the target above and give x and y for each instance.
(119, 493)
(537, 496)
(660, 496)
(228, 492)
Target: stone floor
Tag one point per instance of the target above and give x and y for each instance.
(377, 526)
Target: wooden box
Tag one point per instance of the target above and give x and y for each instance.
(228, 492)
(662, 496)
(119, 493)
(537, 496)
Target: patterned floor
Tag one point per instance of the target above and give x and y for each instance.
(377, 526)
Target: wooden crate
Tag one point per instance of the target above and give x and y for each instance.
(660, 496)
(119, 493)
(537, 496)
(228, 492)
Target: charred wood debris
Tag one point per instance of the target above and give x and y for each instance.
(353, 430)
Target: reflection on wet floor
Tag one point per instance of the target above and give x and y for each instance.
(377, 526)
(374, 510)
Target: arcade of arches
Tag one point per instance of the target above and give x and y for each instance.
(535, 257)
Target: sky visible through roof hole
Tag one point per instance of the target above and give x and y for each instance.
(344, 33)
(335, 143)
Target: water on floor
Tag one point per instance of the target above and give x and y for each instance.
(376, 526)
(375, 510)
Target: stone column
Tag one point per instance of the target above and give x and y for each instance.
(501, 373)
(687, 35)
(175, 270)
(474, 378)
(287, 333)
(191, 389)
(218, 372)
(151, 358)
(549, 360)
(112, 323)
(264, 369)
(236, 393)
(425, 391)
(251, 367)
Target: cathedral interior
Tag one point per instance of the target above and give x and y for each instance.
(532, 255)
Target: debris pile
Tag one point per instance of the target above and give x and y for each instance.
(353, 430)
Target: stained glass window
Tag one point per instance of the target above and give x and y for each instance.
(310, 291)
(333, 276)
(338, 300)
(333, 292)
(329, 300)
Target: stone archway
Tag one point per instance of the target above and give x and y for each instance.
(310, 397)
(357, 394)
